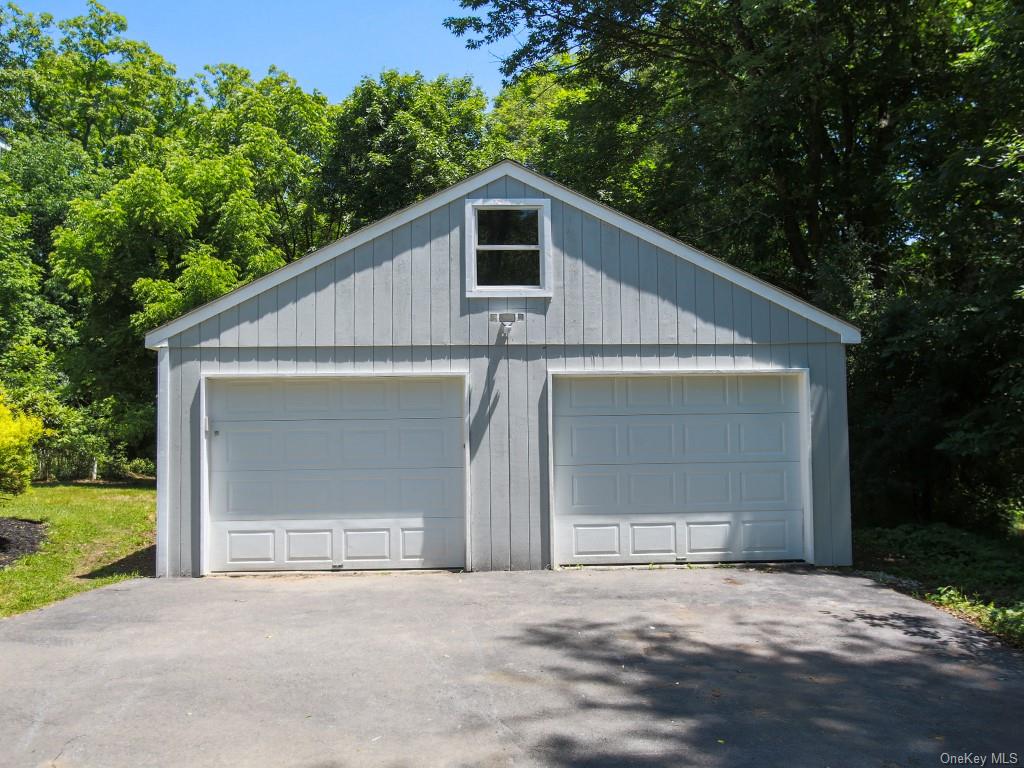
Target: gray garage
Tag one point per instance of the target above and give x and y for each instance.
(506, 375)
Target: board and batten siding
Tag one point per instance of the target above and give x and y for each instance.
(398, 304)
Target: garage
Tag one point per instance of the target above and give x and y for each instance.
(505, 375)
(685, 468)
(335, 472)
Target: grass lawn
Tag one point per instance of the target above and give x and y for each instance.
(96, 534)
(976, 577)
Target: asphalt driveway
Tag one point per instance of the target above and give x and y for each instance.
(710, 667)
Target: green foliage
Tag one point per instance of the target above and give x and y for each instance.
(530, 121)
(89, 529)
(92, 84)
(277, 135)
(19, 277)
(56, 170)
(141, 228)
(203, 277)
(1005, 621)
(141, 467)
(865, 156)
(938, 389)
(975, 575)
(131, 196)
(18, 434)
(399, 138)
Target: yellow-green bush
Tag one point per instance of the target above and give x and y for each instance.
(18, 433)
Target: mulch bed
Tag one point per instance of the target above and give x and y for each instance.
(19, 538)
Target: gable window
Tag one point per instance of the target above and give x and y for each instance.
(508, 247)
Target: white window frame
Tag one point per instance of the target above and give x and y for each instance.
(543, 207)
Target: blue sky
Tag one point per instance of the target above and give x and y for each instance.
(324, 45)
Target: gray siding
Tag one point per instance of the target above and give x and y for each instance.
(508, 428)
(398, 304)
(406, 288)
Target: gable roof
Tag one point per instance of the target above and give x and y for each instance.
(848, 333)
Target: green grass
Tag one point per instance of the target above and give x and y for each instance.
(96, 534)
(977, 577)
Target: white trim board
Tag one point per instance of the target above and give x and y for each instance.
(544, 249)
(848, 333)
(164, 478)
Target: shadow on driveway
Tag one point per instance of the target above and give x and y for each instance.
(705, 667)
(655, 694)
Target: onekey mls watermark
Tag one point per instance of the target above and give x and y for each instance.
(979, 758)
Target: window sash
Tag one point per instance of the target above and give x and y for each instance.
(542, 249)
(537, 220)
(508, 248)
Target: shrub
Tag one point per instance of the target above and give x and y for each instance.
(115, 465)
(18, 433)
(975, 575)
(142, 466)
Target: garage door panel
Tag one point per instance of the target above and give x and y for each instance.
(367, 544)
(335, 473)
(618, 489)
(700, 468)
(700, 537)
(765, 537)
(652, 487)
(242, 400)
(392, 542)
(652, 539)
(296, 398)
(243, 495)
(596, 539)
(628, 439)
(247, 446)
(710, 537)
(251, 546)
(304, 398)
(593, 488)
(747, 393)
(309, 546)
(746, 536)
(307, 495)
(647, 392)
(336, 444)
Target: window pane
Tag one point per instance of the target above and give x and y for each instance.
(511, 226)
(508, 268)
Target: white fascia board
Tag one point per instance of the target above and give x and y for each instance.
(848, 334)
(322, 255)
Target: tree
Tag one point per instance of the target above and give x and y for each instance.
(30, 324)
(95, 85)
(532, 118)
(938, 392)
(864, 155)
(282, 133)
(130, 196)
(396, 140)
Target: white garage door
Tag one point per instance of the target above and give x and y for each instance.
(697, 468)
(321, 473)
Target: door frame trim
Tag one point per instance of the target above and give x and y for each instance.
(204, 436)
(804, 390)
